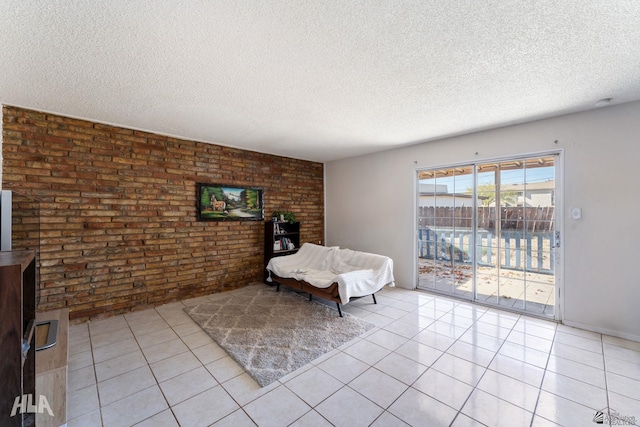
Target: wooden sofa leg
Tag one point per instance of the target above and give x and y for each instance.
(339, 309)
(277, 287)
(310, 297)
(374, 298)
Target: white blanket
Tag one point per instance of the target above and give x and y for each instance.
(357, 273)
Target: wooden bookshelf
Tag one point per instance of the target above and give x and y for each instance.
(278, 235)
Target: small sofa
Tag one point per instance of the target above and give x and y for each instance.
(332, 273)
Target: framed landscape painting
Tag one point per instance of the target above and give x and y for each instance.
(220, 202)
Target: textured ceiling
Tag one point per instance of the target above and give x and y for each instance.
(318, 80)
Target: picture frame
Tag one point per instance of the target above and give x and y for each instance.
(224, 202)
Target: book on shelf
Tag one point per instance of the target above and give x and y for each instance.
(283, 244)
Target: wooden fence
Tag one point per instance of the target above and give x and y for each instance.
(512, 218)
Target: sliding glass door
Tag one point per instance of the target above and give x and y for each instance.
(486, 232)
(445, 230)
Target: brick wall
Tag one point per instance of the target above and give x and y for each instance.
(118, 227)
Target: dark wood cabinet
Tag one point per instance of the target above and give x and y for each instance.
(280, 238)
(17, 334)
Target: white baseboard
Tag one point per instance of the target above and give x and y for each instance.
(605, 331)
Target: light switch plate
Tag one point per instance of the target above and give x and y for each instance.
(576, 213)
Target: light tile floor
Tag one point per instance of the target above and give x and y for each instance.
(430, 361)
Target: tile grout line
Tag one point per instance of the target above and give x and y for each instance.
(368, 333)
(369, 366)
(606, 383)
(475, 387)
(219, 384)
(445, 352)
(153, 373)
(94, 371)
(544, 374)
(148, 365)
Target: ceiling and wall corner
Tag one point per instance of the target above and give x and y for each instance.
(371, 201)
(319, 81)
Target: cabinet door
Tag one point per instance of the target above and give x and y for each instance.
(10, 342)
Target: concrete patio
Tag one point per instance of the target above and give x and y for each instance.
(513, 289)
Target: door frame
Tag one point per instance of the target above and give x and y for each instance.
(558, 313)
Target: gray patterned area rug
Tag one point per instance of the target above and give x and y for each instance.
(273, 333)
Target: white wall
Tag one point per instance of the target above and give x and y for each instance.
(370, 205)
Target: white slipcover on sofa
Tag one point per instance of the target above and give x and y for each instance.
(331, 272)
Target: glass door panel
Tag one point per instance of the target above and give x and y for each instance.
(511, 282)
(486, 232)
(427, 246)
(445, 224)
(461, 238)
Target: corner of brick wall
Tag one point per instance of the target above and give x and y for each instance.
(117, 227)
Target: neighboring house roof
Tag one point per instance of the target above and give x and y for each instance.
(533, 186)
